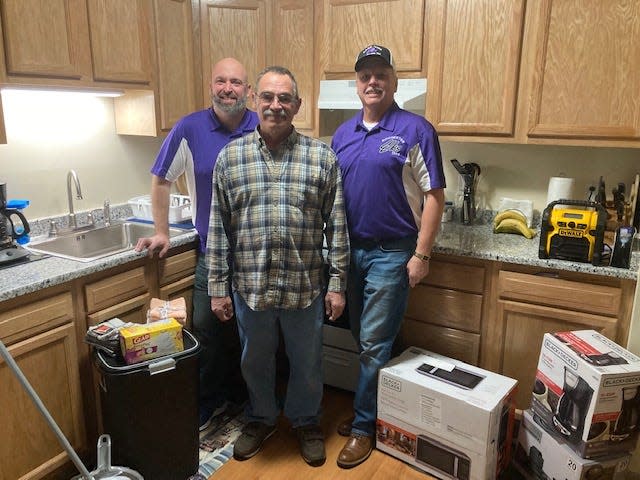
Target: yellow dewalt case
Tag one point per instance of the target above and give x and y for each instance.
(573, 230)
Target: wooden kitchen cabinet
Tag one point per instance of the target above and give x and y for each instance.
(529, 304)
(232, 28)
(42, 339)
(94, 43)
(583, 62)
(445, 310)
(474, 66)
(350, 25)
(291, 31)
(121, 40)
(46, 38)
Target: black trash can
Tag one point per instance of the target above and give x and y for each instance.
(150, 409)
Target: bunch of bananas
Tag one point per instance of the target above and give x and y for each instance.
(512, 221)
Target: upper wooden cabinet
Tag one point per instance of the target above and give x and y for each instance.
(77, 42)
(46, 38)
(121, 40)
(232, 28)
(175, 61)
(291, 30)
(350, 25)
(586, 74)
(473, 65)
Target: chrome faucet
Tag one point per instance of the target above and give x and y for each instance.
(72, 175)
(107, 213)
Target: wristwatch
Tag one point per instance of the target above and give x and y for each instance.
(424, 258)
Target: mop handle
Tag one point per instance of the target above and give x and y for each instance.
(43, 410)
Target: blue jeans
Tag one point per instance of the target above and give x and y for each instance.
(302, 334)
(219, 355)
(377, 293)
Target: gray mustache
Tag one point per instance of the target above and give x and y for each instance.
(271, 113)
(373, 90)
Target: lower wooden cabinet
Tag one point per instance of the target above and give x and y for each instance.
(49, 360)
(445, 310)
(45, 334)
(494, 315)
(528, 305)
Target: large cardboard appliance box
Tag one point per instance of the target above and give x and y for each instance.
(445, 417)
(545, 456)
(587, 392)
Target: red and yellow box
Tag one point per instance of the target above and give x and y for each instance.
(147, 341)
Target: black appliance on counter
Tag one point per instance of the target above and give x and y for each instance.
(10, 251)
(469, 172)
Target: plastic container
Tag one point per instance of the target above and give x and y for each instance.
(150, 410)
(179, 208)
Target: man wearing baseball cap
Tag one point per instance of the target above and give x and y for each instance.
(393, 184)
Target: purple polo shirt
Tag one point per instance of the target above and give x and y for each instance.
(385, 172)
(192, 147)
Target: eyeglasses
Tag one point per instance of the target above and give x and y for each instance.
(283, 98)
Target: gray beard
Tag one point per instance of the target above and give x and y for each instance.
(238, 107)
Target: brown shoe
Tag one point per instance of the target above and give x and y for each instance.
(355, 451)
(344, 427)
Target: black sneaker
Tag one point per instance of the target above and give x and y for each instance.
(311, 442)
(251, 439)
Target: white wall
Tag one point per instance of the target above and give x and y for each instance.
(523, 171)
(48, 134)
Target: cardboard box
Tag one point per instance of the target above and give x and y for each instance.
(587, 392)
(544, 456)
(147, 341)
(445, 417)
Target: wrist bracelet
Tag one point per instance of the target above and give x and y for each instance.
(424, 258)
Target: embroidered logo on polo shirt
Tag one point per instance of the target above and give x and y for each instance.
(395, 145)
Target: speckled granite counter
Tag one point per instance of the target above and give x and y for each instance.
(477, 241)
(49, 271)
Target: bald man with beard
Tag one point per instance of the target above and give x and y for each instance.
(191, 148)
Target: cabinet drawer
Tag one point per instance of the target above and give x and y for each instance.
(115, 289)
(556, 292)
(132, 310)
(177, 267)
(450, 342)
(35, 317)
(448, 308)
(455, 276)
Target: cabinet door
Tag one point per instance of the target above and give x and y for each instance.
(524, 325)
(351, 25)
(585, 77)
(174, 52)
(473, 66)
(46, 38)
(291, 32)
(121, 40)
(50, 363)
(232, 28)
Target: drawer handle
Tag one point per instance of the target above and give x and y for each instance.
(547, 274)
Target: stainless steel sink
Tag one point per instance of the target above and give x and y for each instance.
(86, 245)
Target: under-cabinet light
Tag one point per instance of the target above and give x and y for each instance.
(63, 90)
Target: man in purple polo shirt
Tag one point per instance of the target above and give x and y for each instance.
(393, 185)
(191, 148)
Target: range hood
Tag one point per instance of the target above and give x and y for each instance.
(341, 95)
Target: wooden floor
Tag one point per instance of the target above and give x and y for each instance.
(280, 456)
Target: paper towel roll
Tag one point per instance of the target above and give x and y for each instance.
(560, 187)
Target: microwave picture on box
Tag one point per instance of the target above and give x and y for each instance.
(458, 376)
(443, 459)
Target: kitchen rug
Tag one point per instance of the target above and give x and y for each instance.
(216, 442)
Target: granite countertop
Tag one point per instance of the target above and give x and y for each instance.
(479, 241)
(48, 271)
(474, 241)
